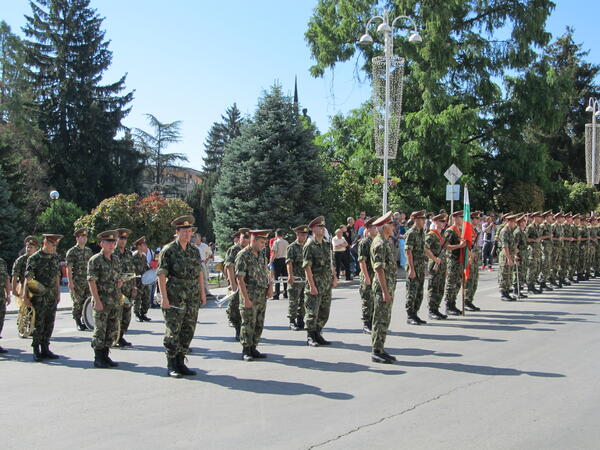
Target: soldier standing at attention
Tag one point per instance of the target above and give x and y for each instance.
(507, 258)
(4, 295)
(384, 287)
(415, 257)
(434, 249)
(43, 267)
(453, 237)
(568, 232)
(240, 239)
(520, 257)
(293, 261)
(547, 252)
(320, 278)
(104, 280)
(128, 289)
(77, 260)
(141, 301)
(555, 267)
(181, 284)
(366, 274)
(18, 269)
(563, 245)
(534, 253)
(474, 259)
(254, 289)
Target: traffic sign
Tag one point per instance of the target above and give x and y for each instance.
(452, 192)
(453, 174)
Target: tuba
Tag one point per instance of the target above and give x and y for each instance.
(36, 288)
(224, 301)
(25, 319)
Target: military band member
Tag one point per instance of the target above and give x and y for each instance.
(557, 253)
(435, 249)
(4, 295)
(366, 274)
(255, 287)
(474, 259)
(507, 258)
(295, 290)
(545, 229)
(520, 257)
(105, 281)
(77, 259)
(241, 238)
(43, 267)
(18, 269)
(455, 244)
(128, 288)
(320, 278)
(534, 252)
(384, 287)
(181, 283)
(141, 301)
(416, 259)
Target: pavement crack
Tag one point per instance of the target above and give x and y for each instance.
(400, 413)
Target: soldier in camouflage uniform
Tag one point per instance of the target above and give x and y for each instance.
(293, 261)
(254, 288)
(589, 249)
(384, 287)
(320, 278)
(472, 281)
(18, 269)
(4, 295)
(366, 274)
(454, 274)
(415, 277)
(534, 253)
(555, 268)
(562, 244)
(181, 284)
(548, 261)
(104, 280)
(569, 233)
(520, 260)
(241, 239)
(579, 250)
(595, 246)
(43, 267)
(141, 301)
(77, 260)
(434, 249)
(507, 258)
(128, 289)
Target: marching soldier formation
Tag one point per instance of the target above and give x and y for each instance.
(539, 251)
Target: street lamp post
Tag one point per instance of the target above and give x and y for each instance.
(366, 39)
(594, 108)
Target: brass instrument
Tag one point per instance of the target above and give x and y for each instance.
(224, 301)
(285, 280)
(36, 288)
(88, 313)
(25, 319)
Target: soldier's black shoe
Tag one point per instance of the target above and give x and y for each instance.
(237, 332)
(367, 328)
(505, 297)
(173, 368)
(145, 318)
(412, 320)
(379, 358)
(532, 289)
(453, 311)
(246, 355)
(469, 306)
(436, 315)
(256, 354)
(99, 360)
(321, 340)
(183, 369)
(80, 325)
(138, 318)
(47, 353)
(300, 323)
(521, 295)
(109, 361)
(123, 343)
(311, 339)
(293, 326)
(2, 350)
(545, 286)
(566, 282)
(388, 356)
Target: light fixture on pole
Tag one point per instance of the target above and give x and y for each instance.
(54, 195)
(387, 29)
(591, 148)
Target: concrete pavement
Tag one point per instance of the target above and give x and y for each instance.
(515, 375)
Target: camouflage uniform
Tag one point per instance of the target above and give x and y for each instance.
(253, 267)
(547, 253)
(126, 265)
(506, 240)
(105, 272)
(295, 290)
(233, 310)
(382, 256)
(44, 268)
(77, 260)
(454, 273)
(318, 257)
(473, 281)
(415, 242)
(141, 301)
(520, 242)
(567, 250)
(534, 254)
(557, 233)
(366, 290)
(3, 280)
(435, 288)
(183, 270)
(18, 269)
(581, 250)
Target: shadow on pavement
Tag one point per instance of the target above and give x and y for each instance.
(481, 370)
(443, 337)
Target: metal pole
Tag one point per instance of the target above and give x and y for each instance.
(452, 199)
(594, 111)
(386, 122)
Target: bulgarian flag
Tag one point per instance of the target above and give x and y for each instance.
(467, 232)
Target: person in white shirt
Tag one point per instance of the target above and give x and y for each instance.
(339, 245)
(205, 256)
(278, 253)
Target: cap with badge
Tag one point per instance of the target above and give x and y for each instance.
(81, 232)
(301, 229)
(32, 240)
(183, 222)
(140, 241)
(386, 218)
(123, 233)
(439, 218)
(369, 222)
(54, 238)
(108, 236)
(260, 233)
(422, 214)
(457, 214)
(317, 221)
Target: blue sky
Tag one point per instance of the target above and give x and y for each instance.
(189, 60)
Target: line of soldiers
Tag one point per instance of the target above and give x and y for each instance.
(545, 251)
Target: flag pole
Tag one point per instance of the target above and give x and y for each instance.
(465, 251)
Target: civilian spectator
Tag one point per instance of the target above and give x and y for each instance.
(205, 256)
(489, 236)
(351, 252)
(400, 223)
(278, 253)
(339, 246)
(428, 223)
(360, 222)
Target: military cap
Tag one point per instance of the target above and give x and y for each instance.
(183, 222)
(386, 218)
(547, 213)
(439, 217)
(512, 217)
(320, 220)
(558, 215)
(576, 216)
(475, 214)
(32, 240)
(54, 238)
(533, 215)
(301, 229)
(260, 233)
(123, 232)
(369, 222)
(140, 241)
(457, 214)
(503, 216)
(81, 232)
(422, 214)
(244, 231)
(108, 235)
(521, 217)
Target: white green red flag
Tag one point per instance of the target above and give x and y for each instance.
(467, 232)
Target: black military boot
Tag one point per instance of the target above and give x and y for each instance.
(469, 306)
(99, 361)
(388, 356)
(3, 350)
(256, 354)
(138, 318)
(37, 355)
(545, 286)
(321, 340)
(559, 284)
(293, 325)
(311, 339)
(173, 368)
(123, 343)
(412, 319)
(237, 332)
(367, 328)
(183, 369)
(300, 322)
(246, 354)
(573, 280)
(435, 314)
(532, 289)
(80, 325)
(452, 310)
(109, 361)
(505, 296)
(566, 282)
(145, 318)
(379, 357)
(47, 353)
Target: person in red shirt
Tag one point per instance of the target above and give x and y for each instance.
(360, 221)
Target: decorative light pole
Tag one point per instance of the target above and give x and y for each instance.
(594, 108)
(388, 30)
(54, 195)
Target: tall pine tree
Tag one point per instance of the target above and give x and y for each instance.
(67, 55)
(270, 176)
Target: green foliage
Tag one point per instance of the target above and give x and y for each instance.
(150, 216)
(9, 234)
(59, 218)
(200, 199)
(580, 198)
(520, 197)
(219, 135)
(270, 176)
